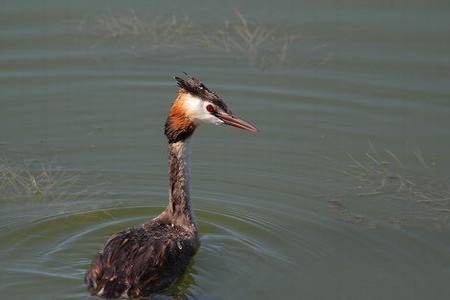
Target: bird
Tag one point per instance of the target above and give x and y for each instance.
(148, 259)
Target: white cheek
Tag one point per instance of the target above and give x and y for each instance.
(196, 109)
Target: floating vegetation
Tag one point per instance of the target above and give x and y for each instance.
(344, 214)
(257, 42)
(38, 181)
(260, 44)
(156, 32)
(407, 195)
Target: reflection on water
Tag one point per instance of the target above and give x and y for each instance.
(308, 208)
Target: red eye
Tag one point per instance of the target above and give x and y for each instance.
(210, 108)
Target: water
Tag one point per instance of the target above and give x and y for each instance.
(343, 194)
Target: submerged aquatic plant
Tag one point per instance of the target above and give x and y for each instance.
(383, 177)
(156, 32)
(37, 181)
(259, 43)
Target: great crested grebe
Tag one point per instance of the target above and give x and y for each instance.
(147, 259)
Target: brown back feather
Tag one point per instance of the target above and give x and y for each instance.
(136, 262)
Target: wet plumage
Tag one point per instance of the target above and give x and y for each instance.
(145, 260)
(142, 260)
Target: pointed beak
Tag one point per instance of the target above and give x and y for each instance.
(236, 122)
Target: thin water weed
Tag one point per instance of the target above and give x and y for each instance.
(38, 181)
(159, 31)
(402, 191)
(259, 43)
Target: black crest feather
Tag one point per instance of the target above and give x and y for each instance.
(197, 88)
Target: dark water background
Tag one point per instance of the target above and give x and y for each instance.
(344, 194)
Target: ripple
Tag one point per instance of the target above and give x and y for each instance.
(60, 247)
(240, 240)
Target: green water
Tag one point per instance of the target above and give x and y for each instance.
(344, 193)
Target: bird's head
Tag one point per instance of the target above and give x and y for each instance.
(196, 104)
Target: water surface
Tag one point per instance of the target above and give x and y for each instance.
(343, 194)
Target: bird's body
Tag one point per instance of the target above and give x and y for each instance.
(148, 259)
(141, 261)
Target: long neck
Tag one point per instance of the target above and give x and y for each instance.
(179, 211)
